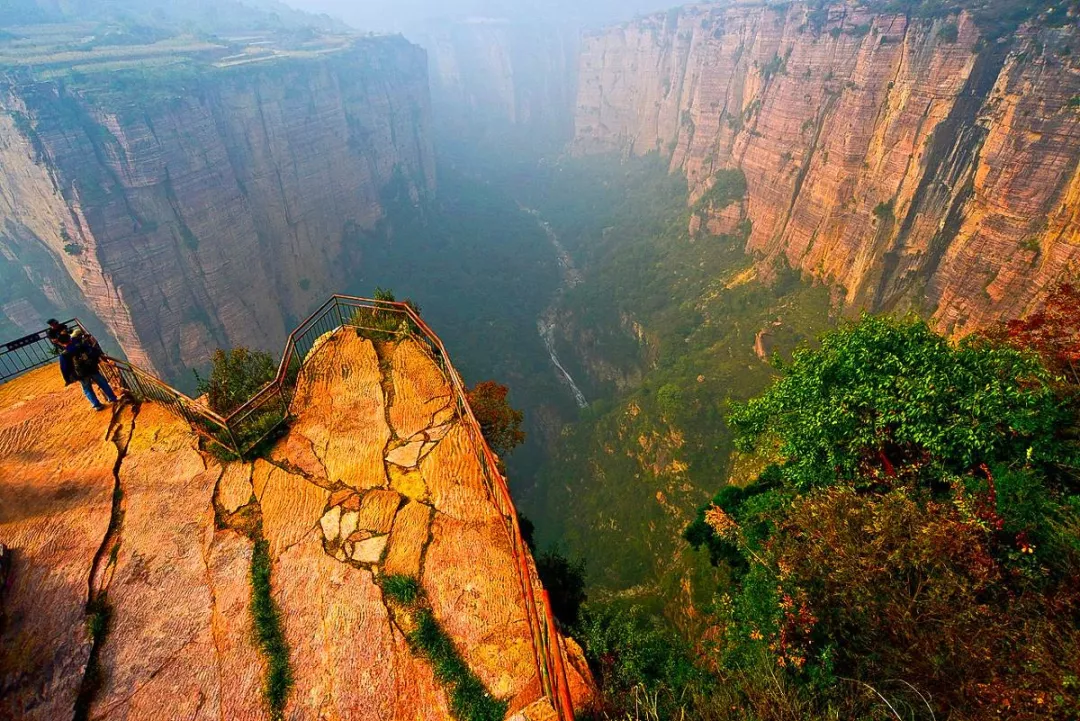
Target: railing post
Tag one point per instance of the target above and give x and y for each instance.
(232, 439)
(341, 316)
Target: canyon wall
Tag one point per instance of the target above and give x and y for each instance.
(492, 77)
(204, 206)
(912, 163)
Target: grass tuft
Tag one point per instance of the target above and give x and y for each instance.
(469, 700)
(269, 632)
(403, 589)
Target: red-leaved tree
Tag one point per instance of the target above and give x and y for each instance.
(1053, 332)
(499, 422)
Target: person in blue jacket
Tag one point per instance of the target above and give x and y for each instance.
(81, 361)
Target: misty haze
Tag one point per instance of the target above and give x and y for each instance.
(539, 361)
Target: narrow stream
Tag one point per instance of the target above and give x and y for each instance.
(571, 277)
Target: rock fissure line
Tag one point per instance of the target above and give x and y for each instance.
(97, 608)
(111, 542)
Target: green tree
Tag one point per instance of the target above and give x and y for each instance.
(235, 377)
(670, 399)
(564, 581)
(889, 397)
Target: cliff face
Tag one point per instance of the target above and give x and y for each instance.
(210, 207)
(906, 161)
(377, 477)
(492, 76)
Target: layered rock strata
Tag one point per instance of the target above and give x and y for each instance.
(912, 163)
(128, 510)
(207, 207)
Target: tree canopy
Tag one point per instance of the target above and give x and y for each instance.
(916, 541)
(235, 377)
(499, 422)
(884, 394)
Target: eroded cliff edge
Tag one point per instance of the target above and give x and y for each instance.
(913, 163)
(375, 478)
(203, 204)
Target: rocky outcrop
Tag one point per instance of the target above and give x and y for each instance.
(207, 206)
(909, 162)
(128, 514)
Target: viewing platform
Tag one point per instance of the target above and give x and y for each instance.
(380, 471)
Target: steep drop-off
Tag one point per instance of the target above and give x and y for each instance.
(910, 162)
(122, 527)
(208, 205)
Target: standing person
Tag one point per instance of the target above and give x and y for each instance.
(56, 329)
(86, 361)
(67, 366)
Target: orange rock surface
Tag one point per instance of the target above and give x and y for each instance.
(56, 486)
(170, 552)
(907, 168)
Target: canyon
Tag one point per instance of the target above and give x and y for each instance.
(910, 163)
(209, 204)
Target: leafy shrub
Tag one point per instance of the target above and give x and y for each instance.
(776, 66)
(73, 249)
(627, 650)
(729, 186)
(564, 581)
(885, 210)
(949, 33)
(669, 399)
(887, 394)
(882, 586)
(563, 578)
(381, 324)
(235, 377)
(818, 17)
(1053, 332)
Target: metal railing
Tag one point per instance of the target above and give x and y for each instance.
(29, 352)
(270, 408)
(547, 643)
